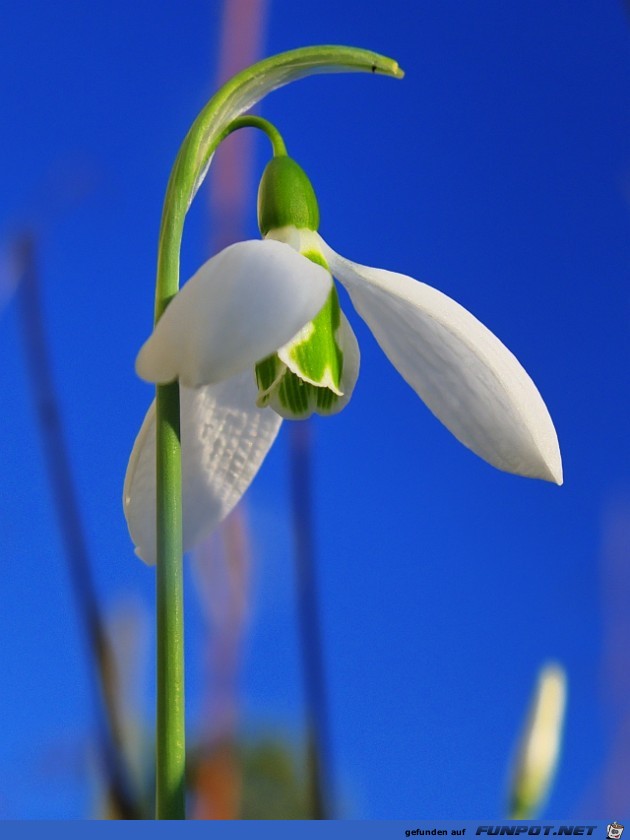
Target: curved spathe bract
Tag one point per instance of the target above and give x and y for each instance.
(461, 370)
(252, 84)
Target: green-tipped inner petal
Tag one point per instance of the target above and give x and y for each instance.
(304, 376)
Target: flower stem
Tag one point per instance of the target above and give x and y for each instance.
(250, 121)
(170, 754)
(171, 744)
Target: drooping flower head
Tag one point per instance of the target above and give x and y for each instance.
(258, 335)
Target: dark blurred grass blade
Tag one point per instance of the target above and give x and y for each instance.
(104, 684)
(318, 742)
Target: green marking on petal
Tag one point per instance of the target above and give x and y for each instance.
(314, 354)
(295, 399)
(269, 373)
(317, 257)
(304, 376)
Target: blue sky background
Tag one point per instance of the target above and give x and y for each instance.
(498, 171)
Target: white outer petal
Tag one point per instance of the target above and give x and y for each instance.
(240, 306)
(351, 362)
(225, 439)
(464, 374)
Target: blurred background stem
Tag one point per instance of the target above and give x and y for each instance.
(101, 663)
(317, 733)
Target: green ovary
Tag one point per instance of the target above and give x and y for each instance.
(304, 377)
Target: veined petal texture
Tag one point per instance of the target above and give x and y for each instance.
(225, 438)
(242, 305)
(464, 374)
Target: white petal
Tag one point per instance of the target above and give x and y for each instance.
(240, 306)
(351, 361)
(224, 441)
(464, 374)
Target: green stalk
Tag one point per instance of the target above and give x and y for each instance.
(170, 756)
(250, 121)
(170, 743)
(238, 95)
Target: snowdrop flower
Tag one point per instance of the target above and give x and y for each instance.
(257, 335)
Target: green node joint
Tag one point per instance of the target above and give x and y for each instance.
(286, 197)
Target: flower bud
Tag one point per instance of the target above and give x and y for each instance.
(286, 197)
(539, 750)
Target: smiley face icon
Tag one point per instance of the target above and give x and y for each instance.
(614, 831)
